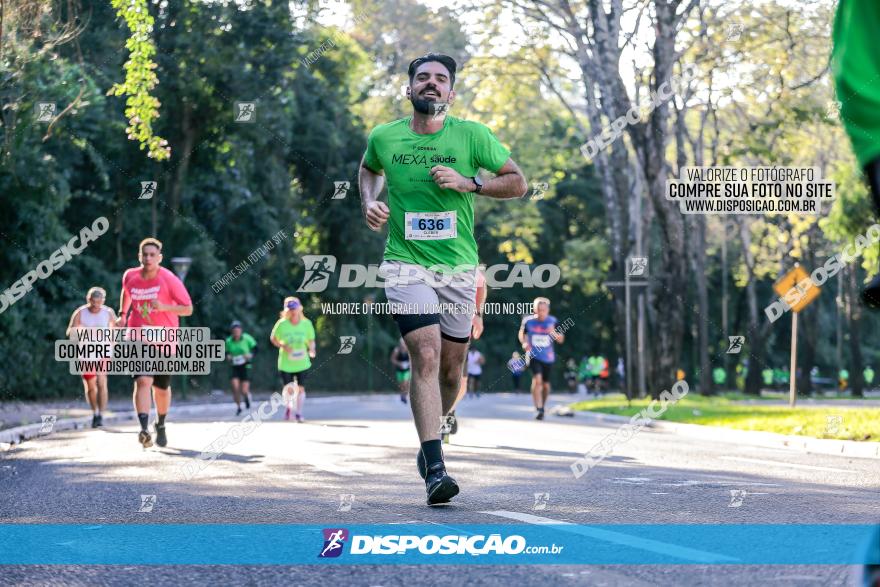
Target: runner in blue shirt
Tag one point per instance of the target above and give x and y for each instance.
(537, 335)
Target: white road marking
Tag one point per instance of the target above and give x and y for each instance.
(332, 468)
(693, 483)
(681, 552)
(790, 465)
(630, 480)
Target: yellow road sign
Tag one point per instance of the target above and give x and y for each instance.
(796, 289)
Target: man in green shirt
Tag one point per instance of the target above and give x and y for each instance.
(240, 349)
(868, 374)
(719, 377)
(855, 62)
(431, 162)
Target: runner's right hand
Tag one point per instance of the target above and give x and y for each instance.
(120, 322)
(376, 214)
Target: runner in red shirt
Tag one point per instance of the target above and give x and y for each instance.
(156, 298)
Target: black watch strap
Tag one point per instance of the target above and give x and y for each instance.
(478, 183)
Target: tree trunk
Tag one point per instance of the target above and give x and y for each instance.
(754, 335)
(854, 316)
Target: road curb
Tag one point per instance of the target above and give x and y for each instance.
(13, 436)
(850, 448)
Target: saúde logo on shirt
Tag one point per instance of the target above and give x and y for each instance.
(418, 159)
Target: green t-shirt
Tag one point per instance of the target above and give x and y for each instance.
(430, 226)
(297, 336)
(237, 349)
(856, 65)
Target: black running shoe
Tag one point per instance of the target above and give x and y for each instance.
(161, 439)
(95, 420)
(453, 425)
(421, 464)
(145, 439)
(247, 401)
(540, 414)
(100, 420)
(440, 486)
(238, 411)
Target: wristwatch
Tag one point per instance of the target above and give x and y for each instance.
(479, 183)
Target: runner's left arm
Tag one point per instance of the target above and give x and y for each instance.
(508, 183)
(124, 305)
(253, 349)
(311, 341)
(172, 309)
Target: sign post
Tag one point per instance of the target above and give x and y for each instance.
(792, 388)
(797, 280)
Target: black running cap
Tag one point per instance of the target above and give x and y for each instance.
(235, 324)
(447, 61)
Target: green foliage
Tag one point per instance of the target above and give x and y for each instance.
(142, 108)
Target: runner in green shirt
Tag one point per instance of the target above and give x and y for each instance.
(855, 62)
(431, 162)
(294, 336)
(240, 349)
(868, 374)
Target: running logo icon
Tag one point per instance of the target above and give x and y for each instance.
(832, 424)
(736, 498)
(833, 110)
(345, 502)
(45, 111)
(440, 109)
(341, 189)
(446, 424)
(541, 501)
(245, 112)
(334, 539)
(736, 344)
(148, 190)
(346, 345)
(48, 424)
(638, 266)
(734, 31)
(319, 268)
(147, 504)
(538, 190)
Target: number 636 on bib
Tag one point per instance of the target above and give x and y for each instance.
(430, 225)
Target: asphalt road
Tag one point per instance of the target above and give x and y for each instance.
(288, 473)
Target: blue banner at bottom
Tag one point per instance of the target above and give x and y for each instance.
(564, 544)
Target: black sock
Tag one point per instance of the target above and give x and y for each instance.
(144, 420)
(433, 451)
(161, 419)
